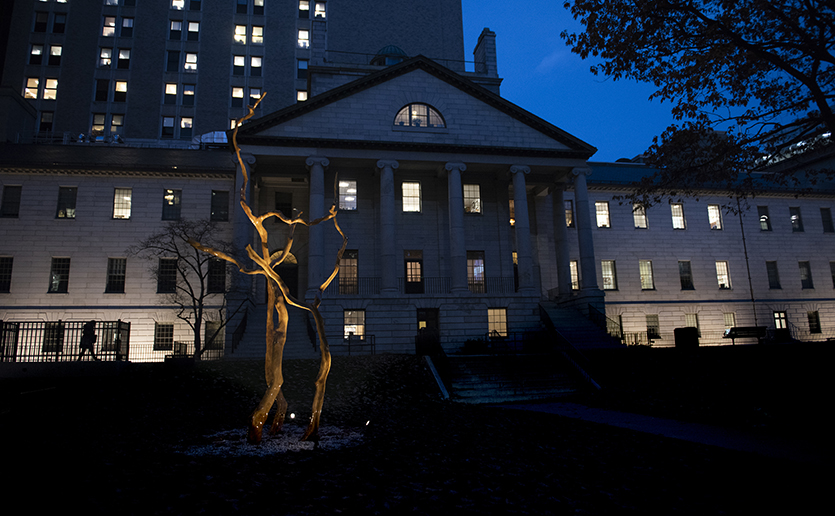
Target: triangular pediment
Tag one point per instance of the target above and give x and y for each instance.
(363, 113)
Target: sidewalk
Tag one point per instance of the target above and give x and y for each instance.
(694, 432)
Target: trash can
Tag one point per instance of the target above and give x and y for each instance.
(686, 338)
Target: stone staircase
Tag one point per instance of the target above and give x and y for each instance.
(253, 345)
(578, 329)
(509, 378)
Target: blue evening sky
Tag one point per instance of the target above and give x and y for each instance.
(542, 76)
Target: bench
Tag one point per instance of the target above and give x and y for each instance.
(744, 332)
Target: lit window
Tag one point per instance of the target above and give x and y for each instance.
(176, 30)
(66, 202)
(97, 127)
(170, 93)
(418, 115)
(765, 222)
(31, 89)
(257, 35)
(59, 275)
(188, 94)
(301, 95)
(59, 23)
(167, 276)
(304, 9)
(105, 56)
(186, 127)
(678, 215)
(124, 59)
(55, 55)
(647, 282)
(685, 275)
(116, 275)
(353, 323)
(411, 197)
(191, 62)
(610, 278)
(258, 7)
(414, 271)
(569, 214)
(237, 97)
(475, 271)
(348, 195)
(50, 89)
(781, 320)
(653, 327)
(814, 322)
(122, 203)
(240, 34)
(773, 275)
(6, 263)
(472, 199)
(574, 271)
(216, 282)
(714, 215)
(826, 220)
(348, 272)
(320, 9)
(511, 206)
(497, 322)
(36, 54)
(121, 92)
(729, 319)
(797, 222)
(692, 321)
(127, 28)
(171, 204)
(167, 127)
(11, 201)
(639, 216)
(220, 205)
(805, 275)
(193, 31)
(723, 276)
(108, 28)
(255, 66)
(601, 209)
(111, 2)
(116, 123)
(178, 4)
(238, 65)
(301, 69)
(304, 38)
(254, 95)
(164, 333)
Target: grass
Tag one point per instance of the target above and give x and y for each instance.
(114, 443)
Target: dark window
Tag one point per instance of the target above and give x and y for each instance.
(127, 28)
(163, 337)
(773, 275)
(826, 220)
(53, 337)
(46, 121)
(348, 272)
(414, 271)
(194, 5)
(102, 86)
(301, 71)
(59, 275)
(11, 201)
(220, 205)
(188, 94)
(41, 20)
(765, 221)
(175, 31)
(173, 62)
(805, 275)
(241, 9)
(116, 275)
(171, 204)
(216, 282)
(167, 127)
(66, 202)
(167, 276)
(686, 275)
(214, 335)
(653, 327)
(814, 322)
(59, 23)
(258, 7)
(6, 263)
(797, 222)
(284, 203)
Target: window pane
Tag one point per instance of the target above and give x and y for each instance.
(348, 272)
(497, 322)
(475, 271)
(6, 263)
(11, 201)
(66, 202)
(216, 281)
(122, 203)
(116, 275)
(163, 337)
(678, 216)
(765, 222)
(806, 275)
(59, 275)
(645, 267)
(348, 195)
(722, 275)
(411, 197)
(773, 275)
(686, 275)
(171, 204)
(714, 216)
(610, 281)
(574, 269)
(472, 199)
(220, 205)
(601, 209)
(167, 275)
(353, 323)
(826, 220)
(797, 222)
(639, 216)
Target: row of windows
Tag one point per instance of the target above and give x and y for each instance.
(122, 202)
(109, 24)
(164, 336)
(41, 22)
(723, 278)
(353, 322)
(37, 52)
(714, 215)
(780, 319)
(59, 275)
(411, 194)
(42, 88)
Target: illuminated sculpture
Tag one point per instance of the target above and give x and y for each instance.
(278, 297)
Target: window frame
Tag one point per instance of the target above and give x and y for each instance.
(639, 216)
(795, 219)
(714, 217)
(678, 220)
(568, 206)
(472, 199)
(171, 204)
(167, 275)
(349, 272)
(726, 275)
(826, 220)
(353, 319)
(347, 195)
(216, 276)
(163, 336)
(806, 282)
(685, 276)
(6, 270)
(653, 326)
(608, 270)
(814, 321)
(10, 205)
(122, 210)
(219, 206)
(773, 274)
(765, 223)
(67, 198)
(59, 275)
(574, 274)
(410, 116)
(497, 322)
(646, 275)
(412, 193)
(116, 276)
(476, 277)
(601, 214)
(413, 271)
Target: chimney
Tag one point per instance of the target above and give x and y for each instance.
(485, 54)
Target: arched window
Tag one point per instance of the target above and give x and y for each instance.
(418, 115)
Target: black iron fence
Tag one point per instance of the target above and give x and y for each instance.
(60, 341)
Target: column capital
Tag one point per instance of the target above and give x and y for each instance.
(247, 158)
(520, 168)
(390, 163)
(576, 171)
(317, 160)
(460, 167)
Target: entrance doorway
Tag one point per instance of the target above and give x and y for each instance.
(428, 337)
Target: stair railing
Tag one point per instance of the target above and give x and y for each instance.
(610, 326)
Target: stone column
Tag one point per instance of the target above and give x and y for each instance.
(316, 246)
(388, 255)
(524, 250)
(457, 238)
(588, 269)
(561, 240)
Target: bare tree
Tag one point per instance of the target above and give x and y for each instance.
(278, 298)
(193, 282)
